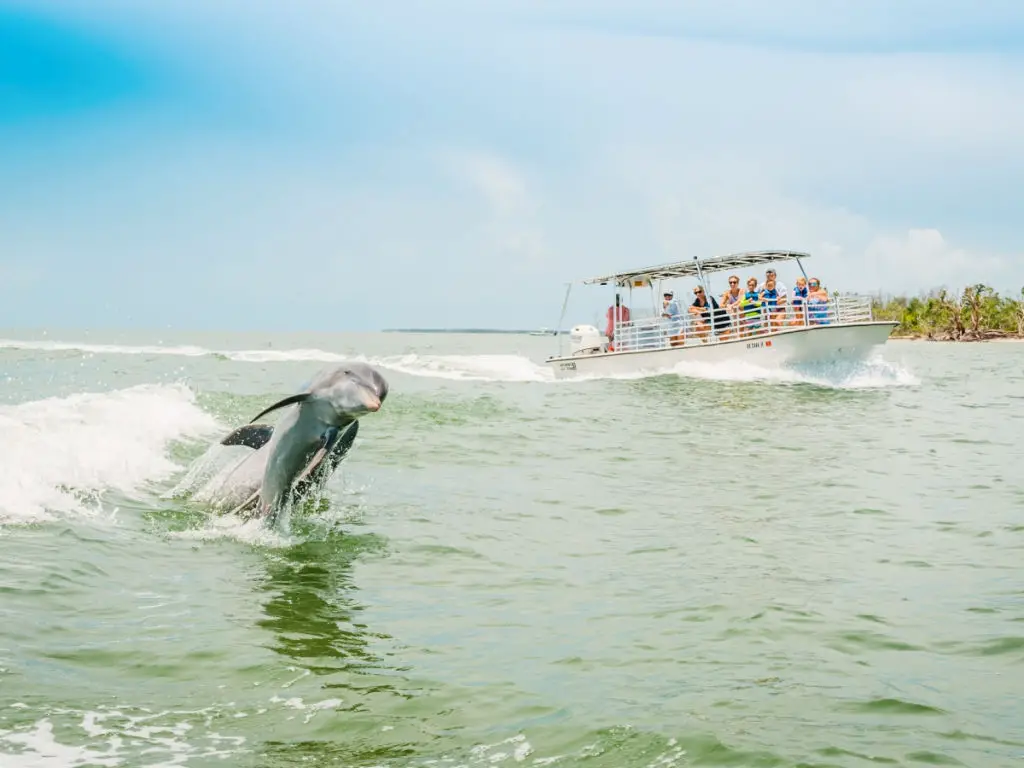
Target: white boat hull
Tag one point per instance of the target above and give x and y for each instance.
(847, 342)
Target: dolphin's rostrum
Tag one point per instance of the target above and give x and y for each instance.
(304, 447)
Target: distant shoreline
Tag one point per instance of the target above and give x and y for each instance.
(472, 330)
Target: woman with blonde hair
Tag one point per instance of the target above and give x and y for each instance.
(817, 302)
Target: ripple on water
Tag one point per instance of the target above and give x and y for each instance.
(890, 706)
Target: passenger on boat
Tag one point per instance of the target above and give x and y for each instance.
(769, 274)
(799, 302)
(670, 310)
(702, 312)
(617, 312)
(773, 303)
(731, 300)
(817, 303)
(750, 308)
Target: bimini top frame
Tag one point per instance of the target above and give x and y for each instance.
(697, 267)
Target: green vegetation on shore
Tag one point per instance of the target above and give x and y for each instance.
(976, 314)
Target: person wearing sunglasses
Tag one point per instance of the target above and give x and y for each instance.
(731, 301)
(817, 302)
(702, 309)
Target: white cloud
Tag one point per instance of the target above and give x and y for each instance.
(510, 235)
(939, 102)
(502, 185)
(922, 259)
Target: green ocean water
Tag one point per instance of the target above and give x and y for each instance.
(717, 566)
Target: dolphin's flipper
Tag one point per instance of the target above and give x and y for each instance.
(343, 445)
(253, 436)
(333, 448)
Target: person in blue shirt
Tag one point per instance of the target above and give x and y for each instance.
(774, 303)
(799, 302)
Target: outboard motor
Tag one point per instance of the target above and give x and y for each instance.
(586, 340)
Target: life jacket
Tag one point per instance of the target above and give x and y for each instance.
(622, 316)
(750, 304)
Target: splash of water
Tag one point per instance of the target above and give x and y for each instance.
(62, 454)
(873, 373)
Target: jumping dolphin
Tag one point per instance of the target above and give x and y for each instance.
(305, 446)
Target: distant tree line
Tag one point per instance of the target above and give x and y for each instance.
(975, 314)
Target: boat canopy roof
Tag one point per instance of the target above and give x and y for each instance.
(696, 266)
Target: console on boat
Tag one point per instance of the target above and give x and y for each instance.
(840, 326)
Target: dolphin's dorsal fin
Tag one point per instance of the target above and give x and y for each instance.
(253, 436)
(290, 400)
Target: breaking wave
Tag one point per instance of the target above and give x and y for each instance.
(62, 453)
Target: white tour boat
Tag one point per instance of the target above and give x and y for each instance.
(823, 327)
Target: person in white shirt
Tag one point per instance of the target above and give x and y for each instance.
(671, 312)
(769, 274)
(780, 289)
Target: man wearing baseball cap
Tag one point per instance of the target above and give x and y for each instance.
(779, 285)
(670, 310)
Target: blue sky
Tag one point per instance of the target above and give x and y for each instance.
(344, 165)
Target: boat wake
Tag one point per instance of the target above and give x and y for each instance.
(508, 367)
(875, 373)
(514, 368)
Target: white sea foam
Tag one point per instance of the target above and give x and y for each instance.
(511, 367)
(253, 531)
(116, 738)
(61, 454)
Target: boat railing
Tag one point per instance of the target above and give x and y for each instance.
(734, 322)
